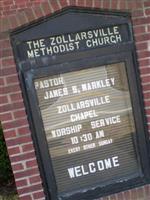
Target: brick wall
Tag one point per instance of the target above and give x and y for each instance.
(14, 13)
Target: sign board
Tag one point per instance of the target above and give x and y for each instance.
(89, 125)
(84, 104)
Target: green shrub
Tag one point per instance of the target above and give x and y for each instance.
(6, 176)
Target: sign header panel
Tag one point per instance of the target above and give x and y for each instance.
(80, 41)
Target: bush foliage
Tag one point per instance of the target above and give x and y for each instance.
(6, 176)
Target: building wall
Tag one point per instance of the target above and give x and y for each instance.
(15, 13)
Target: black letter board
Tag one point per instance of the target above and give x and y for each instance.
(81, 88)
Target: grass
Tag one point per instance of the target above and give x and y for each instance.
(9, 197)
(8, 193)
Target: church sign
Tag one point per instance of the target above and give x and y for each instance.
(81, 88)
